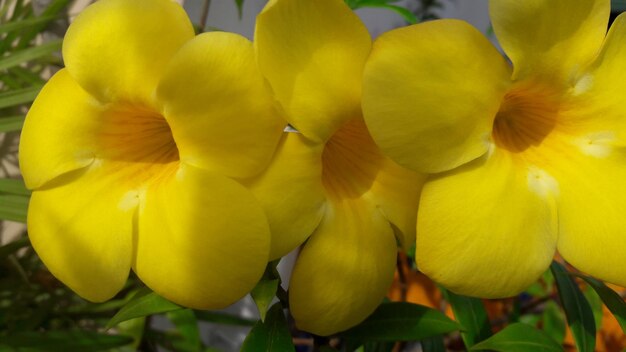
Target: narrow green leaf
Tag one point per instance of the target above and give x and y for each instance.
(433, 344)
(577, 310)
(54, 9)
(13, 207)
(554, 322)
(263, 294)
(471, 314)
(187, 327)
(611, 299)
(222, 318)
(27, 23)
(13, 186)
(271, 335)
(595, 303)
(141, 305)
(64, 341)
(405, 13)
(17, 57)
(18, 96)
(12, 247)
(12, 123)
(401, 321)
(239, 4)
(519, 337)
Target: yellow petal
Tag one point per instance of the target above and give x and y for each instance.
(487, 229)
(396, 191)
(82, 231)
(117, 49)
(203, 240)
(218, 106)
(344, 270)
(291, 193)
(312, 53)
(58, 135)
(551, 39)
(431, 92)
(591, 211)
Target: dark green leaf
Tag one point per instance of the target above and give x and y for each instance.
(471, 314)
(222, 318)
(12, 123)
(12, 247)
(433, 344)
(187, 327)
(263, 294)
(13, 186)
(401, 321)
(64, 341)
(18, 96)
(13, 207)
(519, 337)
(554, 322)
(28, 54)
(577, 310)
(595, 303)
(239, 4)
(271, 335)
(141, 305)
(611, 299)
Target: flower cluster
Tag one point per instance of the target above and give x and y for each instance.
(166, 153)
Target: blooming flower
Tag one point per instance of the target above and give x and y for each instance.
(133, 151)
(329, 181)
(525, 160)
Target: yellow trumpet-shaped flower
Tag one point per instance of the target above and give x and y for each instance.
(133, 151)
(525, 159)
(329, 181)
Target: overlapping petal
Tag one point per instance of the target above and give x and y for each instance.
(344, 270)
(591, 212)
(117, 49)
(203, 240)
(81, 226)
(58, 135)
(550, 39)
(435, 94)
(291, 192)
(488, 228)
(312, 53)
(221, 112)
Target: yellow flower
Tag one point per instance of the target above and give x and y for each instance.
(133, 152)
(329, 181)
(525, 160)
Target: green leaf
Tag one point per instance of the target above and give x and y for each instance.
(28, 54)
(12, 123)
(384, 4)
(611, 299)
(554, 322)
(433, 344)
(13, 207)
(18, 96)
(12, 247)
(187, 327)
(64, 341)
(519, 337)
(141, 305)
(401, 321)
(13, 186)
(471, 314)
(23, 24)
(223, 318)
(239, 4)
(577, 310)
(54, 9)
(271, 335)
(595, 303)
(263, 294)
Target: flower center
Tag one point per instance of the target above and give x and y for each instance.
(526, 117)
(350, 161)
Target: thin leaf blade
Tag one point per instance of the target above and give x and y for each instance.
(613, 301)
(141, 305)
(471, 314)
(271, 335)
(519, 337)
